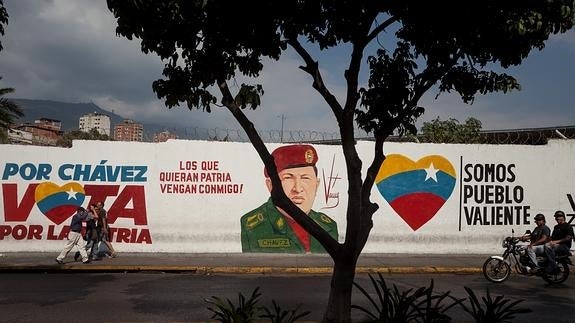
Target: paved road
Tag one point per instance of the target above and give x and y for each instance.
(171, 297)
(146, 283)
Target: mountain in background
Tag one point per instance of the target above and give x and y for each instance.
(69, 114)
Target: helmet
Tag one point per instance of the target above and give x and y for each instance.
(539, 217)
(559, 214)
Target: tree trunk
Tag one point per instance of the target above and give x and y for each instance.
(339, 303)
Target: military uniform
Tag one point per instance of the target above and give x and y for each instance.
(265, 229)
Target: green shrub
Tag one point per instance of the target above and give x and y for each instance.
(278, 315)
(247, 310)
(497, 310)
(392, 305)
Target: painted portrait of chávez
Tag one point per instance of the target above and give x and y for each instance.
(270, 229)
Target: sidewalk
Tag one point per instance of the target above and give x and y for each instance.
(238, 263)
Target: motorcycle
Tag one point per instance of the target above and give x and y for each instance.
(497, 269)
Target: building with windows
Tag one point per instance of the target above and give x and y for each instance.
(44, 131)
(164, 136)
(16, 136)
(129, 130)
(50, 124)
(95, 120)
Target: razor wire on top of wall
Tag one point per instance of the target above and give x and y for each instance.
(528, 136)
(238, 135)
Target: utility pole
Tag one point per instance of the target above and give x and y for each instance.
(283, 117)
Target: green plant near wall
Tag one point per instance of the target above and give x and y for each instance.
(247, 310)
(426, 305)
(498, 309)
(224, 310)
(393, 305)
(279, 315)
(387, 305)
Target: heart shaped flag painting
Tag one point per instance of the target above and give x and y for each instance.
(416, 190)
(58, 203)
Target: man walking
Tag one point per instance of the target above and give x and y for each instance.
(104, 228)
(75, 237)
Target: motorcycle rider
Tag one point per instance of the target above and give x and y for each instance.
(560, 241)
(538, 237)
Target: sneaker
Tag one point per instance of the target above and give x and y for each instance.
(86, 262)
(97, 259)
(61, 262)
(77, 256)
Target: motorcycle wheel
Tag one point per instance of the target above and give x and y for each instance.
(496, 270)
(560, 276)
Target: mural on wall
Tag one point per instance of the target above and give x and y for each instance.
(57, 203)
(188, 196)
(269, 228)
(416, 190)
(491, 195)
(199, 177)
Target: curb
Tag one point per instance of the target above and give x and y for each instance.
(204, 270)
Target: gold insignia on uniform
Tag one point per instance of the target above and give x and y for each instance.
(325, 218)
(280, 223)
(274, 243)
(309, 156)
(253, 220)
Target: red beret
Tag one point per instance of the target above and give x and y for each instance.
(293, 156)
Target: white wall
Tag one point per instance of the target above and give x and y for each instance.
(150, 216)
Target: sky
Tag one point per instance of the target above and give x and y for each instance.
(67, 50)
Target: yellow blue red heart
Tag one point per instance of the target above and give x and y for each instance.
(416, 190)
(58, 203)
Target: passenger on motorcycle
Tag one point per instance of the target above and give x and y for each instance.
(560, 241)
(537, 238)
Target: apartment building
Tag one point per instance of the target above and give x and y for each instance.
(44, 131)
(129, 130)
(95, 120)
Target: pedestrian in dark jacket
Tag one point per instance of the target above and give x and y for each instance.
(75, 237)
(104, 230)
(91, 235)
(560, 243)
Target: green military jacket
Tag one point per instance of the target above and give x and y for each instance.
(265, 229)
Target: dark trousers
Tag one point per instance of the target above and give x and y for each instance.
(552, 252)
